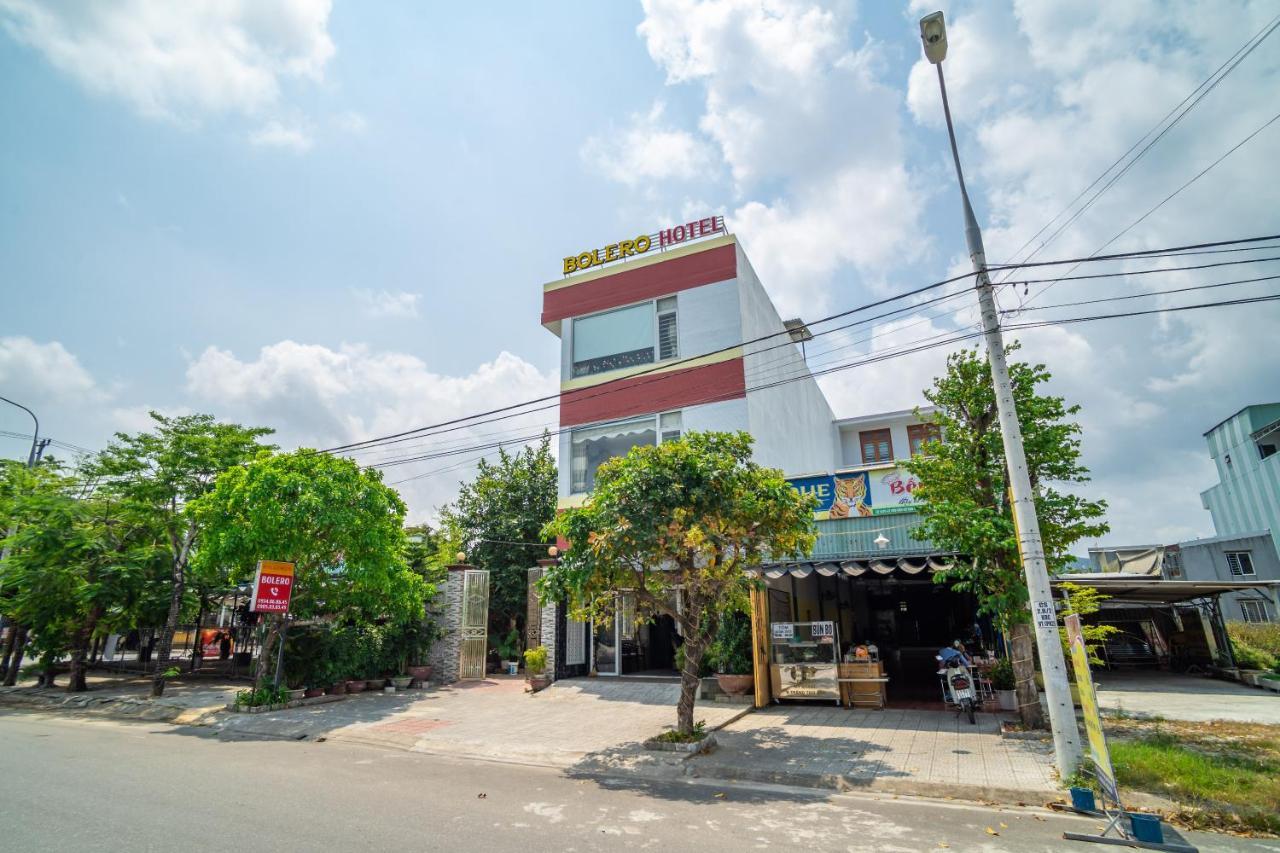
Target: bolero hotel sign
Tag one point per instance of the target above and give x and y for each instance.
(626, 248)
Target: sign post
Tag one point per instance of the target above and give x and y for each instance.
(272, 591)
(1103, 772)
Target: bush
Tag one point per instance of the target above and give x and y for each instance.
(262, 696)
(1249, 657)
(535, 660)
(730, 651)
(1264, 636)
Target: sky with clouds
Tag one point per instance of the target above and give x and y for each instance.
(336, 222)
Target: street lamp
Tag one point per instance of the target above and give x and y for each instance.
(35, 439)
(1062, 718)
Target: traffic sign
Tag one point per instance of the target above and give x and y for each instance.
(272, 587)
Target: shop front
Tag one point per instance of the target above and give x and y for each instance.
(857, 631)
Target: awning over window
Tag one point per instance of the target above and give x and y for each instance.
(856, 568)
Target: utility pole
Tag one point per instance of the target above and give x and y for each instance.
(1062, 714)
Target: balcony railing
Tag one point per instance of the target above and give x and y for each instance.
(853, 538)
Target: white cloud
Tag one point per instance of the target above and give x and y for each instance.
(803, 124)
(648, 150)
(179, 61)
(274, 134)
(385, 303)
(32, 372)
(316, 396)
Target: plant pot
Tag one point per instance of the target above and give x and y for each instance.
(338, 688)
(400, 682)
(735, 685)
(313, 692)
(1007, 699)
(421, 673)
(510, 667)
(374, 683)
(354, 686)
(295, 695)
(539, 682)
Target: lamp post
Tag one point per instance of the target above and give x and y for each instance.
(33, 456)
(1062, 718)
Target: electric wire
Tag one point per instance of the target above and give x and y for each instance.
(470, 421)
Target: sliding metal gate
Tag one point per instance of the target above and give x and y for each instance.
(475, 622)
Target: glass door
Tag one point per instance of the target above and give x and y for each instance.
(606, 647)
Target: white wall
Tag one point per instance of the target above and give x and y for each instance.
(851, 450)
(791, 422)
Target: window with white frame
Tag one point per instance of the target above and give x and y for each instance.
(591, 447)
(1240, 563)
(1254, 611)
(626, 337)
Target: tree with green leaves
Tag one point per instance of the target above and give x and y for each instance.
(165, 470)
(684, 518)
(963, 498)
(496, 519)
(339, 524)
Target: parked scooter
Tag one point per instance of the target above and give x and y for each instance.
(958, 682)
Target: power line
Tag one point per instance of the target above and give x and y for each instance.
(1233, 61)
(610, 387)
(927, 344)
(1144, 295)
(1167, 198)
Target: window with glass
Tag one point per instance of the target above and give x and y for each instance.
(626, 337)
(919, 434)
(877, 446)
(1240, 563)
(591, 447)
(1254, 611)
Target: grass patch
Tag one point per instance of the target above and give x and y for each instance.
(1225, 776)
(699, 732)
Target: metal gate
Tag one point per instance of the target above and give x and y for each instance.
(475, 622)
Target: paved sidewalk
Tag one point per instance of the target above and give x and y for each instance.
(1186, 697)
(493, 719)
(185, 701)
(931, 753)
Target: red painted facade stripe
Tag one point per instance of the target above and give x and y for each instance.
(654, 392)
(641, 283)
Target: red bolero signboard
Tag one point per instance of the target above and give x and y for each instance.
(272, 587)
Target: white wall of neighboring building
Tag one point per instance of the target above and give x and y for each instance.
(791, 422)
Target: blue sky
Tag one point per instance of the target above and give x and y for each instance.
(336, 221)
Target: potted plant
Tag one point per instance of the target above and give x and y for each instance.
(508, 650)
(730, 653)
(1004, 684)
(535, 668)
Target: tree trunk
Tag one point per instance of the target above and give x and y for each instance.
(79, 651)
(15, 662)
(8, 650)
(266, 656)
(166, 636)
(695, 646)
(95, 650)
(48, 671)
(1024, 673)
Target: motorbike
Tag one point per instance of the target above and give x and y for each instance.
(959, 687)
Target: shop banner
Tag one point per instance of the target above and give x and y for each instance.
(1098, 751)
(272, 587)
(859, 493)
(216, 643)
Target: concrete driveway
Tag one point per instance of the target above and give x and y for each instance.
(1185, 697)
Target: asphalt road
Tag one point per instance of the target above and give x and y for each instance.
(88, 785)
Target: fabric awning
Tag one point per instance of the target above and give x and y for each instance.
(1156, 590)
(878, 567)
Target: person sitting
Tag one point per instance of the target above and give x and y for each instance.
(950, 653)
